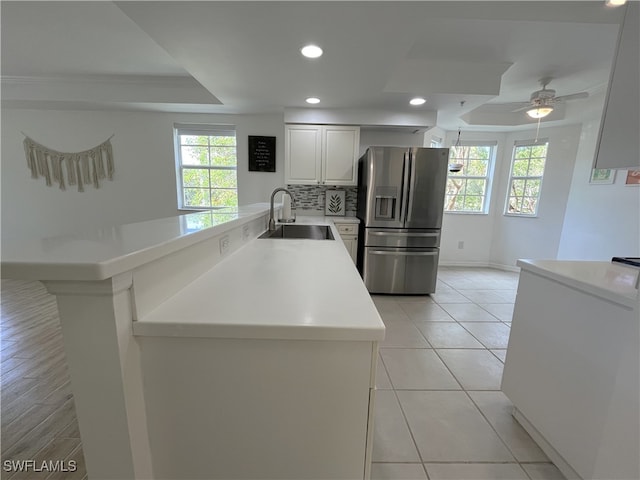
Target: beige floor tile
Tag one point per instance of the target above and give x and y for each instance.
(397, 471)
(384, 303)
(475, 471)
(394, 316)
(468, 312)
(392, 440)
(402, 299)
(448, 427)
(543, 471)
(502, 311)
(447, 335)
(426, 312)
(449, 296)
(489, 296)
(497, 408)
(490, 334)
(382, 378)
(474, 369)
(403, 334)
(417, 369)
(500, 353)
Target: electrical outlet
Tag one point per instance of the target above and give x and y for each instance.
(460, 244)
(245, 233)
(224, 244)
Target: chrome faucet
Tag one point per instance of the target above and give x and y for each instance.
(272, 221)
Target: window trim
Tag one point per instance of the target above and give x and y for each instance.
(525, 143)
(493, 144)
(200, 129)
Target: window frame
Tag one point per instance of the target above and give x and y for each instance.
(493, 146)
(209, 131)
(516, 145)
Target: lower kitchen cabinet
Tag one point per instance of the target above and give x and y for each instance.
(349, 234)
(221, 408)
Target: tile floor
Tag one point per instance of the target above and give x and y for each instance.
(439, 410)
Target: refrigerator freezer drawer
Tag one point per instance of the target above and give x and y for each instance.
(402, 238)
(400, 270)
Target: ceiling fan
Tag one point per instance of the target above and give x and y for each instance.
(542, 101)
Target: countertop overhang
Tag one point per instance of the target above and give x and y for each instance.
(104, 253)
(614, 282)
(284, 289)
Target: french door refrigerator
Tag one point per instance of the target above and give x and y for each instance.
(400, 204)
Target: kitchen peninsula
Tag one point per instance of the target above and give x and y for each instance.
(572, 368)
(197, 350)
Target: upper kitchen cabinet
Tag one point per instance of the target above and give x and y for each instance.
(321, 154)
(618, 139)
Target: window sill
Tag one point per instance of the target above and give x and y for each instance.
(516, 215)
(466, 213)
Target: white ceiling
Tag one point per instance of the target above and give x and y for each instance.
(242, 57)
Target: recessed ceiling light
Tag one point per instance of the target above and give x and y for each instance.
(417, 101)
(312, 100)
(615, 3)
(311, 51)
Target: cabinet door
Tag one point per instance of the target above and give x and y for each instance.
(302, 157)
(340, 155)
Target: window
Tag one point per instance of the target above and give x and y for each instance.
(436, 142)
(206, 166)
(527, 169)
(467, 189)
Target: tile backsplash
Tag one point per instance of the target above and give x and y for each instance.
(312, 197)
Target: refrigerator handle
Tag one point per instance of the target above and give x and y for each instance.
(406, 194)
(410, 184)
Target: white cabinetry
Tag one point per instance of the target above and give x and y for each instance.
(349, 234)
(572, 368)
(618, 140)
(321, 154)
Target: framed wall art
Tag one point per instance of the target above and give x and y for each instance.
(602, 176)
(335, 203)
(262, 154)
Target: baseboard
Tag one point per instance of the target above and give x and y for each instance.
(445, 263)
(557, 459)
(507, 268)
(497, 266)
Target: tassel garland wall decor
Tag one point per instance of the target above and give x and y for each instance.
(81, 167)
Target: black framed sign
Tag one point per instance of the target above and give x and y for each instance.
(262, 154)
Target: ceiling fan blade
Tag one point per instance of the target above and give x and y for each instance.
(573, 96)
(524, 107)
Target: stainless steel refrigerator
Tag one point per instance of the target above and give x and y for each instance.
(400, 205)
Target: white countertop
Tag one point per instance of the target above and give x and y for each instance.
(101, 254)
(611, 281)
(274, 288)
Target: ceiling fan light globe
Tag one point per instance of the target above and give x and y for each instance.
(539, 112)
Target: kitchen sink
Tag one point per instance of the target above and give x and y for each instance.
(311, 232)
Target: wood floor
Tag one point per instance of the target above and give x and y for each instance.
(37, 410)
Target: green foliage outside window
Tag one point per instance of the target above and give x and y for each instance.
(467, 189)
(527, 170)
(208, 166)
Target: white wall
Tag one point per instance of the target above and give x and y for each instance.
(499, 240)
(144, 184)
(389, 138)
(435, 133)
(602, 221)
(538, 237)
(475, 230)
